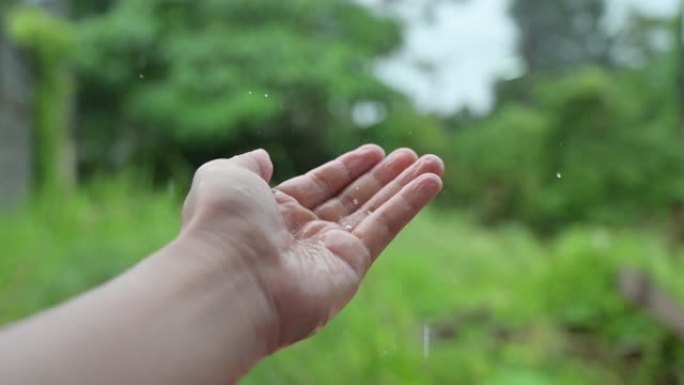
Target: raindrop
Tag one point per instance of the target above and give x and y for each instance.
(356, 202)
(347, 227)
(250, 92)
(265, 95)
(426, 341)
(141, 76)
(559, 175)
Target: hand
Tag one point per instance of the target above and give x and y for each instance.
(253, 270)
(310, 241)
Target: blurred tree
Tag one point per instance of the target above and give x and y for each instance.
(499, 163)
(592, 147)
(41, 30)
(173, 80)
(85, 8)
(616, 163)
(679, 64)
(15, 122)
(559, 35)
(555, 38)
(609, 149)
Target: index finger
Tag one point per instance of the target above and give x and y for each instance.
(379, 228)
(325, 182)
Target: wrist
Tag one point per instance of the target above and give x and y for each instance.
(224, 297)
(182, 316)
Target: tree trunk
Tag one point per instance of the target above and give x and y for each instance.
(679, 41)
(15, 124)
(53, 157)
(64, 106)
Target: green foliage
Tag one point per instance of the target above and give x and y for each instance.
(51, 133)
(167, 83)
(51, 42)
(51, 39)
(63, 245)
(215, 76)
(588, 149)
(499, 162)
(609, 156)
(502, 307)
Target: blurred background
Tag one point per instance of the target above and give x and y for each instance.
(554, 255)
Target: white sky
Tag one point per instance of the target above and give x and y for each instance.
(453, 59)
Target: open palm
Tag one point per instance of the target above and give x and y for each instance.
(314, 236)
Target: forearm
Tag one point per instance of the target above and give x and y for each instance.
(180, 317)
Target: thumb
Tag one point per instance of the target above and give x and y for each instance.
(257, 161)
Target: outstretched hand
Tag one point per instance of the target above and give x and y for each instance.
(254, 269)
(309, 241)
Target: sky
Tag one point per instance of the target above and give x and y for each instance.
(452, 57)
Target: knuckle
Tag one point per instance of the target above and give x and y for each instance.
(207, 169)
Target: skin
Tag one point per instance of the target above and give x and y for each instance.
(253, 270)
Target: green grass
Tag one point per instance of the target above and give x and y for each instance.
(503, 307)
(64, 245)
(500, 304)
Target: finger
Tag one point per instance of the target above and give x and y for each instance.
(327, 181)
(257, 161)
(360, 191)
(294, 215)
(428, 164)
(378, 229)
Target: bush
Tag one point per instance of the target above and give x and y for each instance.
(500, 306)
(586, 151)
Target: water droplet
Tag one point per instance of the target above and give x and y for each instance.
(348, 227)
(141, 76)
(356, 202)
(369, 212)
(410, 133)
(250, 92)
(426, 341)
(265, 95)
(559, 175)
